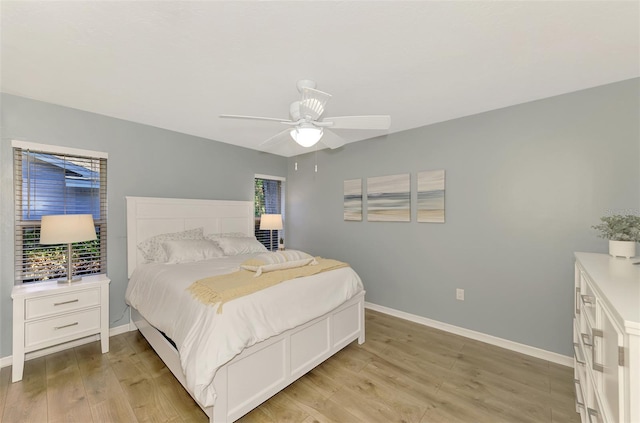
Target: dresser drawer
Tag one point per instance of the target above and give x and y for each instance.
(50, 331)
(587, 301)
(61, 303)
(594, 412)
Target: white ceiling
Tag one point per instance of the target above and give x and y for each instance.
(178, 65)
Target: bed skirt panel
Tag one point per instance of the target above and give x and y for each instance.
(264, 369)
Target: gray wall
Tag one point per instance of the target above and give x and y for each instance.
(143, 161)
(524, 184)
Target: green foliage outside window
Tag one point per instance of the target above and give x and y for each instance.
(50, 262)
(259, 200)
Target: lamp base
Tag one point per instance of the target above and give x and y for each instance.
(70, 278)
(70, 281)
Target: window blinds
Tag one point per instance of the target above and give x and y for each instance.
(57, 183)
(268, 200)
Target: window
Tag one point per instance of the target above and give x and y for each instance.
(269, 199)
(55, 180)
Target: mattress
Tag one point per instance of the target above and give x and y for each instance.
(207, 340)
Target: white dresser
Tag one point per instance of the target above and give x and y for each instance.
(49, 313)
(606, 338)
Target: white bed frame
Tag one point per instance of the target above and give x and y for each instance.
(264, 369)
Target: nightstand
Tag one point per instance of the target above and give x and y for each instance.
(50, 313)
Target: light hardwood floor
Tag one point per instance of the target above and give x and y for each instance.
(404, 372)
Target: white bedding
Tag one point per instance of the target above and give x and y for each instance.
(207, 340)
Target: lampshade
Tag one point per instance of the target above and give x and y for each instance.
(67, 228)
(271, 221)
(306, 136)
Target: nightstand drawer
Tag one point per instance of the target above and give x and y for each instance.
(56, 304)
(48, 331)
(46, 314)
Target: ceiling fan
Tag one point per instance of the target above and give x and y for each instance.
(306, 124)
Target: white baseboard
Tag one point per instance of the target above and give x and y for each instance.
(6, 361)
(478, 336)
(467, 333)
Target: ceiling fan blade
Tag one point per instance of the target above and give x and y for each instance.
(313, 102)
(276, 139)
(332, 140)
(254, 118)
(359, 122)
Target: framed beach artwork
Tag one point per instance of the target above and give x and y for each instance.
(353, 199)
(389, 198)
(431, 196)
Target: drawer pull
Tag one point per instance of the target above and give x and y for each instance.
(66, 302)
(577, 300)
(66, 326)
(575, 354)
(596, 366)
(586, 299)
(586, 340)
(593, 413)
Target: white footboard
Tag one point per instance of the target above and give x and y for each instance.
(261, 371)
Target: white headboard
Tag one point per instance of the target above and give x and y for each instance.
(148, 216)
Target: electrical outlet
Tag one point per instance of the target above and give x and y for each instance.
(459, 294)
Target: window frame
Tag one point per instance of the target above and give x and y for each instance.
(20, 222)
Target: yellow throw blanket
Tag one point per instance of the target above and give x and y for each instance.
(224, 288)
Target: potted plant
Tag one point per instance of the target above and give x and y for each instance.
(281, 245)
(623, 232)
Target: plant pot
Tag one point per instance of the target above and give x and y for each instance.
(622, 249)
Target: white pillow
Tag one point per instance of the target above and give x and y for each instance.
(280, 260)
(184, 251)
(152, 249)
(286, 265)
(235, 245)
(216, 237)
(275, 257)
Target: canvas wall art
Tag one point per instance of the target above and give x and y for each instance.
(431, 196)
(353, 199)
(389, 198)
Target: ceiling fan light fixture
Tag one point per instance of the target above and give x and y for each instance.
(306, 122)
(306, 136)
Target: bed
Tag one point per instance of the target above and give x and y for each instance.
(265, 367)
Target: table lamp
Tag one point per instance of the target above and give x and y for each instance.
(67, 229)
(271, 222)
